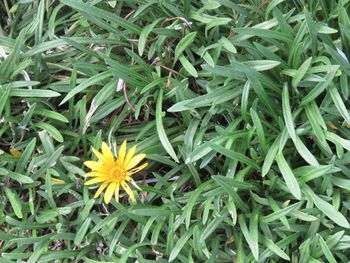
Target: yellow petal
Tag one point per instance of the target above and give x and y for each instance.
(93, 165)
(116, 192)
(96, 180)
(121, 153)
(129, 155)
(134, 161)
(94, 174)
(109, 192)
(100, 189)
(135, 170)
(134, 184)
(129, 191)
(106, 151)
(100, 156)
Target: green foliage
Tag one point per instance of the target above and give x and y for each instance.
(241, 109)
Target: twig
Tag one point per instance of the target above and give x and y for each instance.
(231, 34)
(177, 17)
(171, 70)
(128, 15)
(127, 98)
(263, 4)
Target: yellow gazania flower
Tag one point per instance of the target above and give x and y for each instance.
(114, 173)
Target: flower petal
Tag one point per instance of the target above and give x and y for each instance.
(93, 165)
(96, 180)
(106, 151)
(116, 192)
(94, 174)
(134, 184)
(122, 152)
(100, 156)
(97, 167)
(109, 192)
(128, 191)
(134, 161)
(135, 170)
(128, 156)
(100, 189)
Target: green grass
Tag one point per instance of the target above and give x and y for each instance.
(240, 106)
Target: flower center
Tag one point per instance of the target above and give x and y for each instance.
(117, 173)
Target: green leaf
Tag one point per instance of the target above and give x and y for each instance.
(46, 216)
(93, 80)
(288, 176)
(263, 33)
(280, 213)
(254, 233)
(34, 93)
(212, 226)
(337, 139)
(49, 162)
(261, 65)
(339, 104)
(183, 44)
(308, 173)
(270, 157)
(4, 99)
(117, 235)
(51, 130)
(301, 72)
(320, 87)
(227, 44)
(104, 94)
(190, 204)
(14, 201)
(8, 65)
(144, 35)
(147, 228)
(233, 183)
(160, 128)
(259, 129)
(319, 134)
(18, 177)
(51, 114)
(214, 98)
(305, 153)
(150, 211)
(180, 243)
(234, 155)
(25, 157)
(252, 241)
(329, 210)
(287, 113)
(128, 252)
(188, 66)
(326, 251)
(82, 232)
(275, 249)
(100, 13)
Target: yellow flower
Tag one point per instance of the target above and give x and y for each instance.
(114, 173)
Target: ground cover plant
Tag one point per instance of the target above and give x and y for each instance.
(241, 108)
